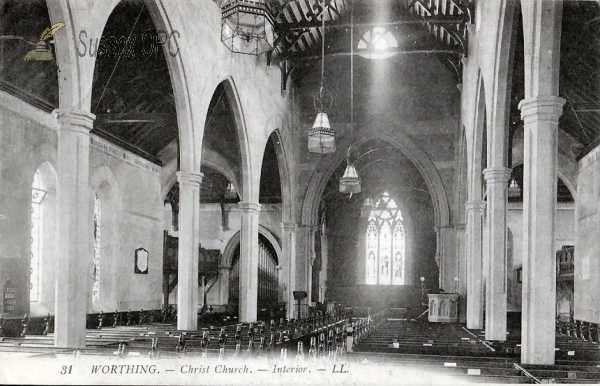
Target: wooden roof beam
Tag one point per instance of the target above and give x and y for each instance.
(400, 51)
(437, 19)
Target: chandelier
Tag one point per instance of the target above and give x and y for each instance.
(247, 26)
(321, 137)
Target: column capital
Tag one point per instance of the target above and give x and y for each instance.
(497, 175)
(475, 206)
(544, 108)
(193, 179)
(288, 226)
(74, 120)
(311, 228)
(249, 207)
(442, 231)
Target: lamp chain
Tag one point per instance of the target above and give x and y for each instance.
(351, 70)
(322, 46)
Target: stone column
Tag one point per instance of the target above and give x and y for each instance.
(461, 258)
(497, 195)
(304, 245)
(444, 257)
(540, 111)
(539, 214)
(202, 292)
(312, 256)
(224, 285)
(474, 250)
(189, 239)
(288, 272)
(248, 262)
(324, 262)
(280, 280)
(73, 281)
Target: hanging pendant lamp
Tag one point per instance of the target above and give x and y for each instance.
(350, 181)
(247, 26)
(321, 137)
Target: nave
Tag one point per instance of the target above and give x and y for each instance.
(387, 339)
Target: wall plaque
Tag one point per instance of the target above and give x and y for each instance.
(141, 261)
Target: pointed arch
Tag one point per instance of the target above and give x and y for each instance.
(498, 98)
(104, 175)
(478, 145)
(249, 176)
(287, 201)
(461, 177)
(79, 70)
(234, 242)
(75, 80)
(188, 124)
(210, 159)
(395, 137)
(563, 175)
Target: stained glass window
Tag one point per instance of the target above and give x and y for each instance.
(97, 235)
(37, 222)
(385, 244)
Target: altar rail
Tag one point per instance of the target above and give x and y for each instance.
(579, 329)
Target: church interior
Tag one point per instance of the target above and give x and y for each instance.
(415, 182)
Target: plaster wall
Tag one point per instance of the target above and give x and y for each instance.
(564, 234)
(587, 248)
(133, 213)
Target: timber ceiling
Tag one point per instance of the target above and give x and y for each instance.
(580, 72)
(132, 95)
(579, 77)
(21, 23)
(434, 26)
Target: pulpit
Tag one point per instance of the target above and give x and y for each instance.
(443, 308)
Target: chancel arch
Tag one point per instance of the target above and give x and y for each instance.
(393, 136)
